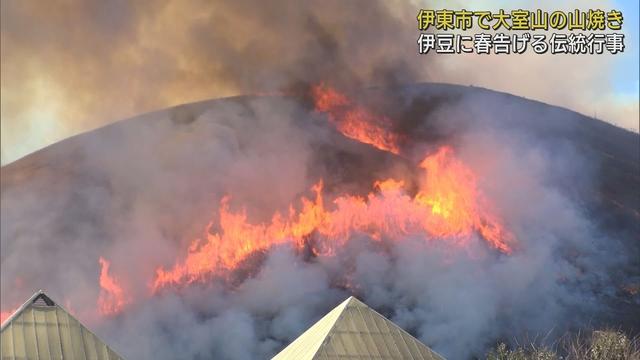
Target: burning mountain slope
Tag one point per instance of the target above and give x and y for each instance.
(136, 194)
(448, 208)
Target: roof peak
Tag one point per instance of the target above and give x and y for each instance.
(354, 300)
(39, 296)
(349, 330)
(41, 315)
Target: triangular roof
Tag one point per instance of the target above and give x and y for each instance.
(42, 329)
(352, 330)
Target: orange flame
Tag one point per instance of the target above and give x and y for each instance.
(355, 121)
(112, 298)
(448, 207)
(4, 315)
(451, 192)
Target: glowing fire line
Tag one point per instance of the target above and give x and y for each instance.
(448, 207)
(355, 121)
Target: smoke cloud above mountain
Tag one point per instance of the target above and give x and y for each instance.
(92, 63)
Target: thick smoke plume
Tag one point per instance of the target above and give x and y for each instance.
(91, 63)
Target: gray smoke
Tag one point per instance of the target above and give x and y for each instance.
(130, 58)
(139, 191)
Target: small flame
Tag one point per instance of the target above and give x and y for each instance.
(112, 298)
(4, 315)
(354, 121)
(448, 208)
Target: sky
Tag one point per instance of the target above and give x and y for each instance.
(69, 66)
(626, 75)
(603, 86)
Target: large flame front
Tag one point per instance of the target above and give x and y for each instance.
(448, 207)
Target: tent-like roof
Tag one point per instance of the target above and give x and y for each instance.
(352, 330)
(41, 329)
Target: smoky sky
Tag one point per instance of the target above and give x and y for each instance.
(72, 66)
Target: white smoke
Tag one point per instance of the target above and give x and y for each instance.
(138, 192)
